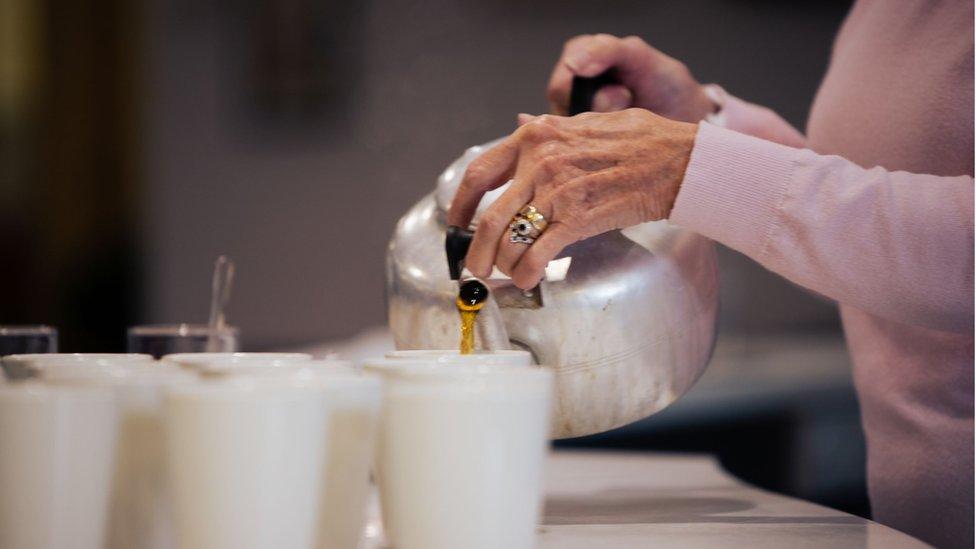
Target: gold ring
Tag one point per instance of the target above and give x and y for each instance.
(527, 225)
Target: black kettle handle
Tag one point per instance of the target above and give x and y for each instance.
(584, 89)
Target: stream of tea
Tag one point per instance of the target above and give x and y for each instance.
(471, 298)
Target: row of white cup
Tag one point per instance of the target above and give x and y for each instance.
(270, 451)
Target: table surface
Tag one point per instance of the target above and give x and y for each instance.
(630, 500)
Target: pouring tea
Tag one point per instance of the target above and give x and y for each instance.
(627, 328)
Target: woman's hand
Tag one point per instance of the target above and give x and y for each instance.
(587, 175)
(648, 78)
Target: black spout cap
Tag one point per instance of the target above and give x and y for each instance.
(456, 245)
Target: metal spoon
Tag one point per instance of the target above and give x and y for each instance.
(223, 280)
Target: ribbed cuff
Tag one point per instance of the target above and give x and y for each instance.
(733, 188)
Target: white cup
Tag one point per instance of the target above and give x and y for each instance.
(354, 402)
(57, 446)
(505, 357)
(141, 508)
(246, 463)
(461, 451)
(27, 366)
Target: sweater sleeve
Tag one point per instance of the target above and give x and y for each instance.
(895, 244)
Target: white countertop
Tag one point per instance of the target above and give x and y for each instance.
(629, 500)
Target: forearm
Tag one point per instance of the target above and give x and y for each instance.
(895, 244)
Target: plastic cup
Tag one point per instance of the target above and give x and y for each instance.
(246, 463)
(57, 446)
(140, 512)
(461, 453)
(354, 402)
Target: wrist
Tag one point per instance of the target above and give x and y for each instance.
(687, 145)
(664, 193)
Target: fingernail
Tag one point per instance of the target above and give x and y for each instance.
(524, 118)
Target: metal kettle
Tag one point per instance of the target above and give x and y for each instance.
(627, 319)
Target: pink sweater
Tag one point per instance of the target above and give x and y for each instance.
(874, 209)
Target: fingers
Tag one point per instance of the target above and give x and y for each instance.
(591, 55)
(493, 226)
(489, 171)
(531, 266)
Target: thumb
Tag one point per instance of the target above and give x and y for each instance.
(612, 98)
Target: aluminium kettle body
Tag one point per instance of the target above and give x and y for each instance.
(628, 327)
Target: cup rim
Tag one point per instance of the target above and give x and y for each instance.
(113, 373)
(180, 329)
(247, 368)
(69, 358)
(324, 363)
(427, 370)
(197, 360)
(501, 357)
(437, 353)
(291, 372)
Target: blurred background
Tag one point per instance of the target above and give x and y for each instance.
(140, 140)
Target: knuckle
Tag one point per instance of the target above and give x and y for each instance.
(547, 120)
(576, 40)
(585, 116)
(549, 166)
(639, 114)
(550, 149)
(537, 130)
(474, 175)
(634, 41)
(542, 171)
(490, 222)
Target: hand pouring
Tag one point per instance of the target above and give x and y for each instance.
(627, 327)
